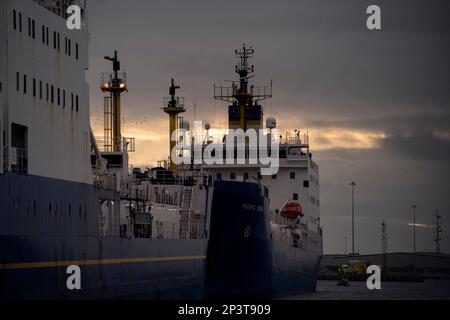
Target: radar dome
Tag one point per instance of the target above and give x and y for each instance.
(271, 122)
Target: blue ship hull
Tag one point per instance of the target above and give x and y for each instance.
(243, 261)
(47, 225)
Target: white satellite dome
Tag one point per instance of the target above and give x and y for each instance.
(271, 122)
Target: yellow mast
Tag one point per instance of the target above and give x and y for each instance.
(115, 86)
(173, 109)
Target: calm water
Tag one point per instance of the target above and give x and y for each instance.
(430, 289)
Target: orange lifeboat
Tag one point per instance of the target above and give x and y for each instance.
(292, 210)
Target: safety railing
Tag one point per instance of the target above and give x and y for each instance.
(18, 160)
(116, 145)
(106, 78)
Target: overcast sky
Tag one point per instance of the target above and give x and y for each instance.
(376, 103)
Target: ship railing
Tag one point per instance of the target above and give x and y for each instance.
(60, 7)
(228, 94)
(167, 199)
(277, 218)
(225, 93)
(294, 138)
(106, 144)
(107, 78)
(168, 178)
(261, 92)
(105, 181)
(180, 101)
(17, 158)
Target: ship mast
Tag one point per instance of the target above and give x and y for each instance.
(173, 106)
(245, 111)
(114, 84)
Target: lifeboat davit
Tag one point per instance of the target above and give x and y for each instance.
(292, 210)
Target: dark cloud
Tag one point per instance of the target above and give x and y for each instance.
(420, 145)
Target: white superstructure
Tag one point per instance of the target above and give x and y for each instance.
(44, 98)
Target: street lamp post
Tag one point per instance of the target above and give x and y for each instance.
(353, 184)
(414, 235)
